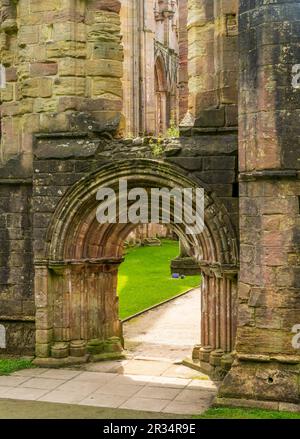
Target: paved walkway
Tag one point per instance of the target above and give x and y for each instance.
(169, 331)
(151, 379)
(160, 391)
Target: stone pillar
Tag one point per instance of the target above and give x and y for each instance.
(218, 319)
(147, 62)
(183, 59)
(212, 64)
(44, 311)
(130, 30)
(267, 364)
(226, 58)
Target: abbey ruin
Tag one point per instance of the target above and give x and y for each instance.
(90, 89)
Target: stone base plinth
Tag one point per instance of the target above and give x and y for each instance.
(213, 362)
(108, 356)
(81, 352)
(270, 381)
(252, 403)
(60, 362)
(186, 266)
(214, 373)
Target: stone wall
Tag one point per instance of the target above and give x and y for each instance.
(267, 364)
(17, 308)
(149, 34)
(63, 64)
(213, 63)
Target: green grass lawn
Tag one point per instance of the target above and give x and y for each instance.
(9, 365)
(240, 413)
(145, 278)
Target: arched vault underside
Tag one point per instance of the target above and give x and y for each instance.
(76, 281)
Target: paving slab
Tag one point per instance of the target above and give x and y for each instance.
(162, 381)
(192, 395)
(179, 371)
(97, 377)
(31, 372)
(24, 393)
(158, 392)
(4, 390)
(12, 381)
(65, 397)
(105, 366)
(61, 374)
(101, 400)
(42, 383)
(143, 367)
(119, 389)
(148, 404)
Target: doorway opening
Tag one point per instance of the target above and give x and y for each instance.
(157, 305)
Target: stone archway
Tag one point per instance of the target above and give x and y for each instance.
(76, 281)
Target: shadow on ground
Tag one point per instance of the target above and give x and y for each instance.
(11, 409)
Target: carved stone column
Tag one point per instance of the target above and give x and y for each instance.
(77, 311)
(218, 318)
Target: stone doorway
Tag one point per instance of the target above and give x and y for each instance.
(76, 274)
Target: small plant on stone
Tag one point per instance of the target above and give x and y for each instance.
(157, 147)
(173, 130)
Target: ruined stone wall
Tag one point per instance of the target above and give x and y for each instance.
(17, 308)
(63, 62)
(213, 63)
(267, 365)
(58, 75)
(149, 32)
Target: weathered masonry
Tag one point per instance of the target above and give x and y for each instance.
(61, 124)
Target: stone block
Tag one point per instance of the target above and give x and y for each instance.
(211, 118)
(37, 87)
(71, 67)
(72, 86)
(42, 350)
(110, 88)
(43, 69)
(104, 67)
(44, 336)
